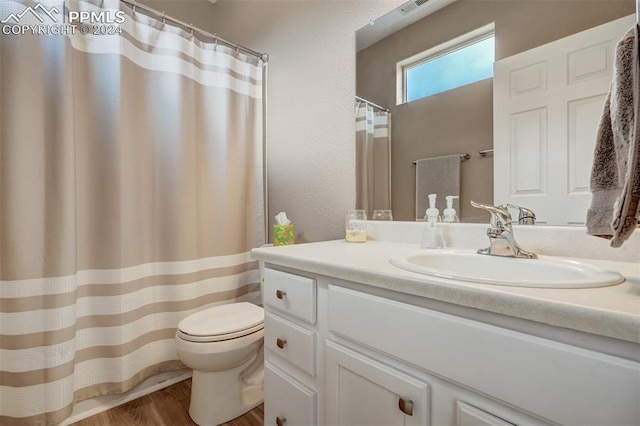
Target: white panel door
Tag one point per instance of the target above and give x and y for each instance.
(529, 152)
(547, 106)
(365, 392)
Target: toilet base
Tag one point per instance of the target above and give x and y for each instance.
(217, 397)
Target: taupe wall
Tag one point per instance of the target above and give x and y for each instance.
(461, 120)
(199, 12)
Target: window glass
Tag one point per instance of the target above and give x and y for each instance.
(466, 65)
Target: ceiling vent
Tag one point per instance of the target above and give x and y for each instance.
(411, 6)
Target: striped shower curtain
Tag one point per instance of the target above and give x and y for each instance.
(373, 158)
(131, 191)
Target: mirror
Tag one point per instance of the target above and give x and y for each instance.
(458, 121)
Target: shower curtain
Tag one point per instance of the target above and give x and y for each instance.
(373, 158)
(131, 191)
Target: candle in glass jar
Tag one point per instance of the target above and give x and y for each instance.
(356, 226)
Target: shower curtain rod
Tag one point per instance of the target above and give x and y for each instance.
(264, 57)
(358, 98)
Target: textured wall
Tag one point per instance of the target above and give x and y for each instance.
(461, 120)
(199, 12)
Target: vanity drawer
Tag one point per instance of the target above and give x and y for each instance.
(287, 401)
(290, 293)
(290, 341)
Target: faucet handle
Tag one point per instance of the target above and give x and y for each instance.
(500, 216)
(525, 216)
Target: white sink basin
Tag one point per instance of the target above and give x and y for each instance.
(467, 265)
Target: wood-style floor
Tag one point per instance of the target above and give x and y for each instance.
(166, 407)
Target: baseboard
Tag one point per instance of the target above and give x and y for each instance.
(93, 406)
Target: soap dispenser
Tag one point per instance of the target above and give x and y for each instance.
(432, 213)
(449, 214)
(432, 235)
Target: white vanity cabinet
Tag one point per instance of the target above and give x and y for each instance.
(290, 340)
(344, 353)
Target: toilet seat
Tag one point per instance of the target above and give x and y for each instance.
(223, 322)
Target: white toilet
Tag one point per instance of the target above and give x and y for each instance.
(223, 345)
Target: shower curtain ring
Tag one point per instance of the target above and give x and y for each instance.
(215, 41)
(191, 26)
(237, 48)
(164, 18)
(134, 6)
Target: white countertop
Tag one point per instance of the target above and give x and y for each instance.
(607, 311)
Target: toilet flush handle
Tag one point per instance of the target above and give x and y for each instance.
(280, 294)
(280, 421)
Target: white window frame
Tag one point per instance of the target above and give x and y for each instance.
(435, 52)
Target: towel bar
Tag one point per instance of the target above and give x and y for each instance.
(462, 157)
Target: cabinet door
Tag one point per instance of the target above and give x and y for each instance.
(287, 402)
(468, 415)
(361, 391)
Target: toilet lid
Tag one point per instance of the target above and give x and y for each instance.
(223, 320)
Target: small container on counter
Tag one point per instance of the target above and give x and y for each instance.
(356, 226)
(382, 215)
(283, 235)
(283, 232)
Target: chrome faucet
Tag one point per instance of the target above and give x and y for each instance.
(500, 233)
(525, 216)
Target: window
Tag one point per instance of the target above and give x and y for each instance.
(459, 62)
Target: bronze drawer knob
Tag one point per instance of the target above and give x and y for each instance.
(406, 406)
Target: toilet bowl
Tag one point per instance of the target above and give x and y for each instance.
(223, 345)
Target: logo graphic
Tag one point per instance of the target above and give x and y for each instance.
(93, 22)
(34, 11)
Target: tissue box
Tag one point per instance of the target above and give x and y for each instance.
(283, 235)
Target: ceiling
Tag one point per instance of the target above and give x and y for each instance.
(396, 20)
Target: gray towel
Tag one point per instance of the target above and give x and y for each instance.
(437, 175)
(615, 175)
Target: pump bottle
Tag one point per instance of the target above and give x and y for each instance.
(449, 214)
(432, 214)
(432, 235)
